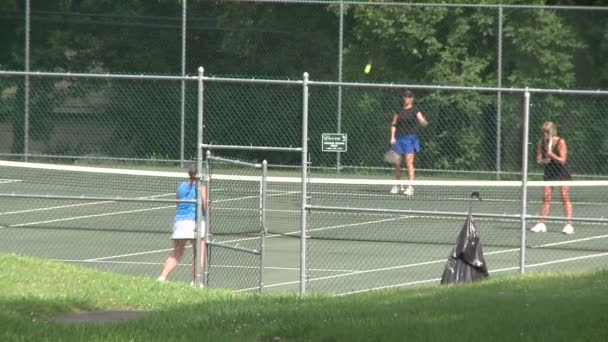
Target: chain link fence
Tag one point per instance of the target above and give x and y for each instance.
(84, 119)
(361, 236)
(357, 235)
(235, 212)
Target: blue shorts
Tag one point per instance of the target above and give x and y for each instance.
(407, 144)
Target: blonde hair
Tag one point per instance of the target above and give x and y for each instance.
(551, 126)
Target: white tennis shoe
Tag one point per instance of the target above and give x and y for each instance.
(539, 228)
(568, 229)
(409, 191)
(394, 189)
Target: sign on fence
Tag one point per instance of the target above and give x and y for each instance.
(333, 142)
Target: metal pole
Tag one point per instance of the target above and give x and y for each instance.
(26, 104)
(207, 218)
(263, 205)
(182, 136)
(524, 180)
(339, 109)
(303, 235)
(199, 183)
(499, 95)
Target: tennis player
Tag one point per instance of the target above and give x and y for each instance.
(552, 153)
(184, 227)
(404, 141)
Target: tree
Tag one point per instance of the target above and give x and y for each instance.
(457, 46)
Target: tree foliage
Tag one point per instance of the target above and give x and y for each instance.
(430, 45)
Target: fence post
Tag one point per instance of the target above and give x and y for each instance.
(199, 195)
(182, 136)
(304, 181)
(524, 178)
(264, 209)
(26, 104)
(339, 109)
(499, 94)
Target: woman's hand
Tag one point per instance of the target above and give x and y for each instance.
(543, 160)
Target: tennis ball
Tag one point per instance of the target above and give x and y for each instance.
(368, 68)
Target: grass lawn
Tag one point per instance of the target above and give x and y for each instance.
(539, 307)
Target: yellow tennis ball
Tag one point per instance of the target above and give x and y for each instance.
(368, 68)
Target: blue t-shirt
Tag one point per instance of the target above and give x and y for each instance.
(186, 211)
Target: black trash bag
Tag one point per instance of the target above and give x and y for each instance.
(466, 262)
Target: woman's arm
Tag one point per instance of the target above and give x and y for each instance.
(539, 153)
(204, 196)
(394, 128)
(562, 152)
(422, 119)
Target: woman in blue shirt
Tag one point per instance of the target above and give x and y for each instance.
(184, 227)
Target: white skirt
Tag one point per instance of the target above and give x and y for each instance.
(186, 230)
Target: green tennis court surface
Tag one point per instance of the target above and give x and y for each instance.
(347, 251)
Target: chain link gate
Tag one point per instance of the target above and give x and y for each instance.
(235, 222)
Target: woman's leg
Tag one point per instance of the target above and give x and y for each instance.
(173, 259)
(565, 192)
(409, 163)
(546, 206)
(540, 226)
(397, 166)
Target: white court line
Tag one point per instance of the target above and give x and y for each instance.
(131, 254)
(571, 241)
(93, 261)
(495, 271)
(52, 208)
(232, 241)
(156, 251)
(8, 181)
(323, 228)
(444, 260)
(346, 225)
(358, 272)
(89, 216)
(74, 205)
(459, 199)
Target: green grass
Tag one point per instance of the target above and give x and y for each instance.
(543, 307)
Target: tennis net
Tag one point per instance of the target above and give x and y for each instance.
(365, 210)
(74, 180)
(338, 209)
(56, 196)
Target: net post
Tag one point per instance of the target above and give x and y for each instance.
(198, 259)
(524, 179)
(304, 180)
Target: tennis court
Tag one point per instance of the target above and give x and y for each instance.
(350, 247)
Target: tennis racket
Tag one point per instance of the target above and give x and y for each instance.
(391, 156)
(550, 141)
